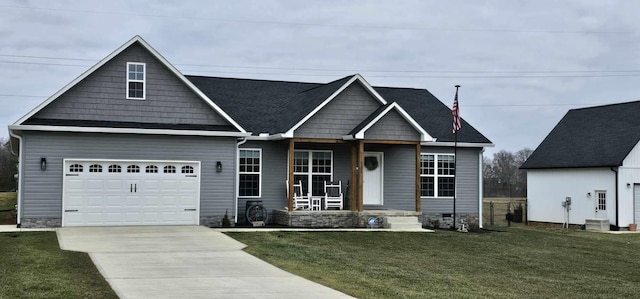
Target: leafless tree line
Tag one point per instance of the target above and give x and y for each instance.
(502, 176)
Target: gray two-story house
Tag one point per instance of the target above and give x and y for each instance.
(132, 141)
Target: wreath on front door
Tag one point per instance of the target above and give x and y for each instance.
(371, 163)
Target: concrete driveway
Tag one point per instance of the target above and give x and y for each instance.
(184, 262)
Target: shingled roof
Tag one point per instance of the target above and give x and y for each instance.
(263, 106)
(599, 136)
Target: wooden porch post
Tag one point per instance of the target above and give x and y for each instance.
(290, 180)
(360, 174)
(418, 161)
(353, 190)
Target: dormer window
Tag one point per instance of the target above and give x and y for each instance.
(136, 80)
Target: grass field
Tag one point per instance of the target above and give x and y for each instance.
(7, 202)
(517, 263)
(34, 266)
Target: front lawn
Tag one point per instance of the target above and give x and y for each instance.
(518, 263)
(7, 208)
(34, 266)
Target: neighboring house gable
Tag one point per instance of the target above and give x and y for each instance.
(102, 96)
(343, 113)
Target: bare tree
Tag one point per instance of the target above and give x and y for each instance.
(502, 176)
(8, 169)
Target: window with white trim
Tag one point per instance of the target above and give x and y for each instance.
(601, 196)
(437, 175)
(250, 172)
(313, 168)
(136, 79)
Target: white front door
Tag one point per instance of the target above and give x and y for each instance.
(601, 205)
(373, 181)
(128, 192)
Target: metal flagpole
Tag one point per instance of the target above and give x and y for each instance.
(456, 126)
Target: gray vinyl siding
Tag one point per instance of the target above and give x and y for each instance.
(43, 189)
(341, 115)
(274, 170)
(399, 176)
(467, 183)
(392, 126)
(102, 96)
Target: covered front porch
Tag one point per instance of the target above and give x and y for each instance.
(391, 185)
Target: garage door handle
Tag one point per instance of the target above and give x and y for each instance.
(72, 174)
(190, 210)
(191, 176)
(70, 210)
(135, 188)
(130, 187)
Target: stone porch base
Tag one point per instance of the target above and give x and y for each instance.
(336, 218)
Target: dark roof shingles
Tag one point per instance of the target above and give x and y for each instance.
(599, 136)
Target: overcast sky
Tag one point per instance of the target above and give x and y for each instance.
(522, 64)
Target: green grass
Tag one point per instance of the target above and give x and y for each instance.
(33, 266)
(7, 201)
(518, 263)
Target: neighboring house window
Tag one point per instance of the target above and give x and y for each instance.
(313, 168)
(151, 169)
(115, 168)
(250, 167)
(75, 168)
(95, 168)
(169, 169)
(437, 175)
(133, 169)
(136, 77)
(187, 169)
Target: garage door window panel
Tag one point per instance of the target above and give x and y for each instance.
(151, 169)
(95, 168)
(187, 169)
(169, 169)
(76, 168)
(133, 169)
(115, 168)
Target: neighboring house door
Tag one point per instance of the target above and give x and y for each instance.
(636, 203)
(373, 180)
(601, 205)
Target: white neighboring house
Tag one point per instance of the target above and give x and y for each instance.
(592, 156)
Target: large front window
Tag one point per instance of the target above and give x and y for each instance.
(250, 162)
(313, 168)
(437, 175)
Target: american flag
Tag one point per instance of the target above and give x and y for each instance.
(455, 111)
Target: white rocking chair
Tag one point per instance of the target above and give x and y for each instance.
(301, 201)
(333, 195)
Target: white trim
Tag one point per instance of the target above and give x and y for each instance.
(125, 131)
(20, 175)
(237, 179)
(355, 77)
(435, 174)
(480, 187)
(199, 174)
(157, 55)
(143, 81)
(424, 136)
(460, 144)
(259, 173)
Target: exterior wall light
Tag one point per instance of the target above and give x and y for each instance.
(43, 163)
(218, 166)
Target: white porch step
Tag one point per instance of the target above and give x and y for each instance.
(597, 224)
(402, 223)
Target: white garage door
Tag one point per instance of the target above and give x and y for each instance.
(121, 192)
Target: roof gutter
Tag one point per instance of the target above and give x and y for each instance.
(20, 172)
(615, 169)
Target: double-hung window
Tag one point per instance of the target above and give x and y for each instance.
(250, 167)
(136, 80)
(437, 175)
(313, 168)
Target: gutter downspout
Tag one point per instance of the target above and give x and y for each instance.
(240, 142)
(616, 171)
(20, 173)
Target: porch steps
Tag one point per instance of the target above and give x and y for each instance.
(402, 223)
(597, 224)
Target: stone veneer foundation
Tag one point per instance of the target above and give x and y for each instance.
(40, 222)
(335, 218)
